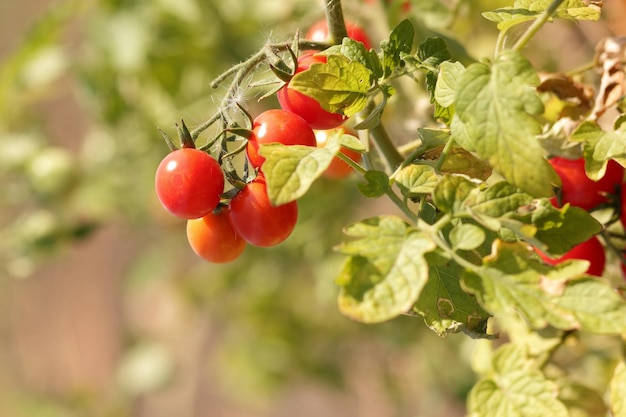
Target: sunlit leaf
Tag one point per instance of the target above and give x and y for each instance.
(511, 281)
(525, 10)
(414, 180)
(385, 270)
(290, 170)
(599, 147)
(493, 116)
(514, 390)
(340, 85)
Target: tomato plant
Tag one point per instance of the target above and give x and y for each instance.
(258, 221)
(590, 250)
(472, 180)
(213, 237)
(580, 190)
(319, 32)
(277, 126)
(307, 107)
(189, 183)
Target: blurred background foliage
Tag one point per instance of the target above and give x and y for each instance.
(105, 311)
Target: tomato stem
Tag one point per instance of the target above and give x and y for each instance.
(336, 24)
(385, 147)
(537, 24)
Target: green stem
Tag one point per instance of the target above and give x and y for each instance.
(385, 147)
(334, 18)
(444, 154)
(537, 24)
(581, 69)
(358, 168)
(402, 206)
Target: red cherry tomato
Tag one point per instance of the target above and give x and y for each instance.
(277, 126)
(338, 168)
(257, 221)
(578, 189)
(590, 250)
(319, 32)
(213, 237)
(307, 107)
(189, 183)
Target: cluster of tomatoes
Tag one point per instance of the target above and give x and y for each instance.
(190, 183)
(579, 190)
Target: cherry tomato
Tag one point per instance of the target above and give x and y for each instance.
(277, 126)
(189, 183)
(213, 237)
(319, 32)
(307, 107)
(257, 221)
(338, 168)
(578, 189)
(590, 250)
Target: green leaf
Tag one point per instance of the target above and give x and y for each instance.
(385, 271)
(290, 170)
(467, 237)
(599, 147)
(340, 85)
(498, 199)
(450, 193)
(512, 281)
(493, 111)
(356, 51)
(559, 229)
(447, 82)
(514, 390)
(432, 52)
(446, 308)
(618, 388)
(525, 10)
(400, 42)
(416, 180)
(376, 185)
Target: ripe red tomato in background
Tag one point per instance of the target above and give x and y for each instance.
(338, 168)
(277, 126)
(307, 107)
(590, 250)
(257, 220)
(578, 189)
(319, 32)
(189, 183)
(213, 237)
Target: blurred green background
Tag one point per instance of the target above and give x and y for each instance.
(105, 310)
